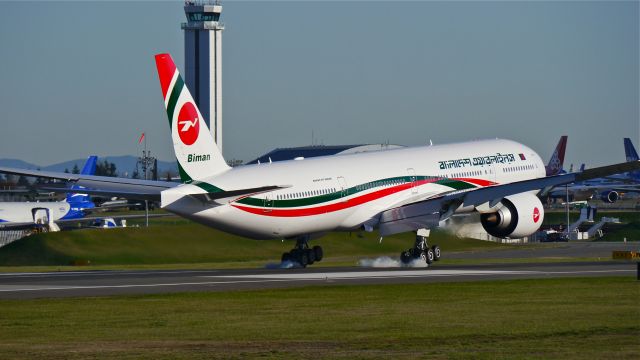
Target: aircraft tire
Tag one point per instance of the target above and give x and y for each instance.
(303, 259)
(429, 256)
(405, 257)
(318, 252)
(436, 252)
(311, 255)
(285, 257)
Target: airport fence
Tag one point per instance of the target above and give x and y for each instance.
(9, 236)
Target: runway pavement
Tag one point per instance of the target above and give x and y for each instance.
(104, 283)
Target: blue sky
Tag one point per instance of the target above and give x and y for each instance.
(79, 77)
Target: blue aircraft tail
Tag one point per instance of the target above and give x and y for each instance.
(78, 200)
(631, 155)
(630, 151)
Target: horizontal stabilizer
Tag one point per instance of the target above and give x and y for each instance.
(213, 196)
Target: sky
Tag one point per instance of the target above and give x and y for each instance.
(79, 78)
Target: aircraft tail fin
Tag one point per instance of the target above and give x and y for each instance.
(80, 200)
(630, 151)
(632, 155)
(554, 167)
(196, 152)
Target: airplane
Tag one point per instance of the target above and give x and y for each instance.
(608, 188)
(395, 191)
(15, 215)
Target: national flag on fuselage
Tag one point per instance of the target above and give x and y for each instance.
(522, 157)
(141, 138)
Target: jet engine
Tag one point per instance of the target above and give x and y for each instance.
(517, 216)
(609, 196)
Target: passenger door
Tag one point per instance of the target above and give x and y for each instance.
(412, 177)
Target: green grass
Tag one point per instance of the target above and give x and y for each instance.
(546, 318)
(617, 232)
(184, 242)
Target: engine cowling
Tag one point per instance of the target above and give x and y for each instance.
(517, 216)
(609, 196)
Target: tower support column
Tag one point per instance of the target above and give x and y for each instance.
(203, 61)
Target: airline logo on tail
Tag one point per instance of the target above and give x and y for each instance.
(188, 123)
(557, 159)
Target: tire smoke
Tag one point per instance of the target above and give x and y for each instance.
(388, 262)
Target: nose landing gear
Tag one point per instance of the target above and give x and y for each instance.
(303, 254)
(421, 251)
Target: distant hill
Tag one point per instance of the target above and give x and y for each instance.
(124, 165)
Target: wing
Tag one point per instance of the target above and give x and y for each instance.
(428, 213)
(103, 185)
(115, 217)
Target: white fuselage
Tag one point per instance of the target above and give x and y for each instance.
(26, 212)
(343, 192)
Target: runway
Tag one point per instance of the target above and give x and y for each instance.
(106, 283)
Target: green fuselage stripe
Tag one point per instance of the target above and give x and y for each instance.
(319, 199)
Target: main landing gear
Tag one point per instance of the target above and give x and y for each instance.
(303, 254)
(421, 251)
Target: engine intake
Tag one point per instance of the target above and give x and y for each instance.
(610, 196)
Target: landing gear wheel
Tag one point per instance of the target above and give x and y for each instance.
(436, 252)
(318, 252)
(311, 255)
(405, 257)
(429, 256)
(302, 253)
(303, 259)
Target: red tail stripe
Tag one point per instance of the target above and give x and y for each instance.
(166, 69)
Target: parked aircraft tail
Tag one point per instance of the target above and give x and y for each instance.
(631, 155)
(79, 201)
(554, 167)
(197, 154)
(629, 150)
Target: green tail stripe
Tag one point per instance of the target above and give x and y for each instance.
(319, 199)
(173, 99)
(184, 177)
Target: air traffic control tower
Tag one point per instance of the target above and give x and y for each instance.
(203, 61)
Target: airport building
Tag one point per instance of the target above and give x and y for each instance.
(203, 61)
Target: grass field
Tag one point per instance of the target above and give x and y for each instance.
(547, 318)
(171, 241)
